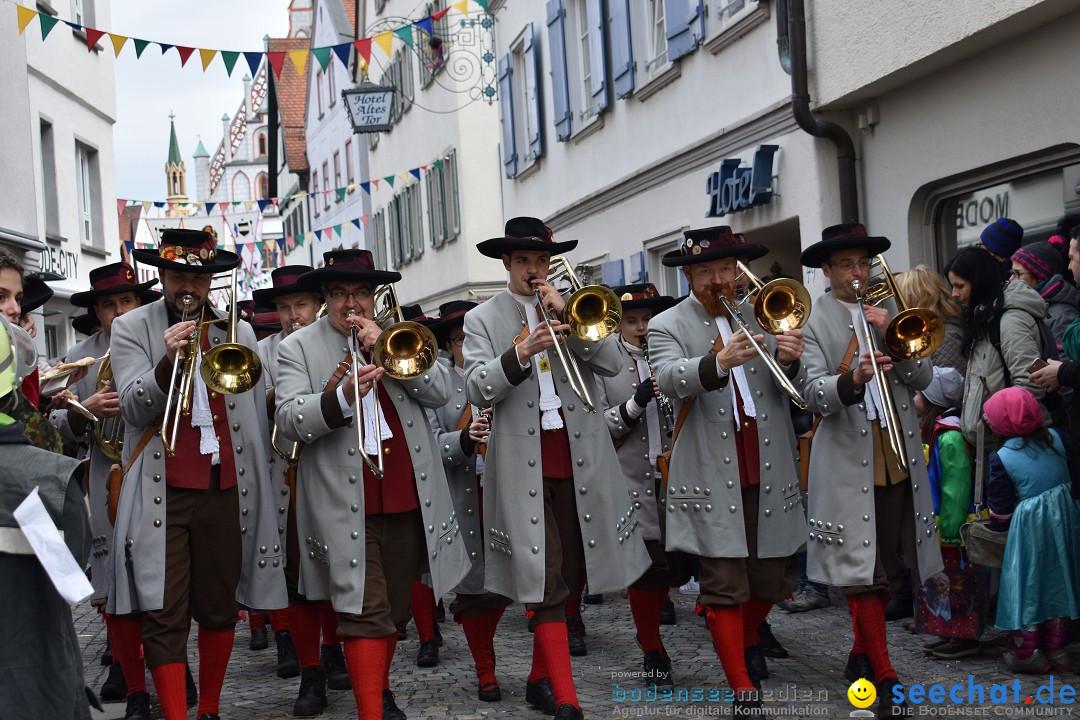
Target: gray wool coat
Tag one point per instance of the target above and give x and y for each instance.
(637, 470)
(268, 352)
(330, 487)
(615, 554)
(840, 498)
(139, 562)
(461, 476)
(704, 497)
(98, 472)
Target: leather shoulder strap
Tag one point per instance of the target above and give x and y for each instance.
(845, 365)
(147, 434)
(339, 372)
(466, 418)
(717, 346)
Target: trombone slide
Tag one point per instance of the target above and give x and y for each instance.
(763, 352)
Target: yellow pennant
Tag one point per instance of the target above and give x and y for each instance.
(146, 206)
(248, 205)
(299, 60)
(25, 16)
(462, 7)
(385, 41)
(207, 57)
(117, 43)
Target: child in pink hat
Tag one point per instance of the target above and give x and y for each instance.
(1028, 494)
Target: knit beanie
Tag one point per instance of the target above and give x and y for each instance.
(946, 388)
(1003, 237)
(1013, 412)
(1041, 259)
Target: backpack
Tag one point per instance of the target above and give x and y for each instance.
(1048, 350)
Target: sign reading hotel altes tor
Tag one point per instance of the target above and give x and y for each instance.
(733, 188)
(370, 107)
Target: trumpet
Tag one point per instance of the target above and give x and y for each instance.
(592, 312)
(780, 305)
(663, 403)
(108, 433)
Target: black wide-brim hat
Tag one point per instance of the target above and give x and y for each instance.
(190, 251)
(111, 279)
(285, 281)
(451, 315)
(842, 237)
(643, 296)
(524, 233)
(712, 243)
(36, 292)
(349, 266)
(86, 324)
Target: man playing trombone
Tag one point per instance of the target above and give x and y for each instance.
(554, 498)
(113, 292)
(196, 531)
(640, 421)
(863, 497)
(366, 524)
(732, 497)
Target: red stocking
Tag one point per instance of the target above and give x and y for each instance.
(214, 651)
(551, 637)
(171, 686)
(754, 612)
(858, 647)
(871, 619)
(125, 636)
(366, 660)
(645, 606)
(329, 624)
(423, 610)
(305, 620)
(725, 626)
(481, 643)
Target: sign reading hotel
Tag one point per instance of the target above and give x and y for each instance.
(370, 107)
(733, 188)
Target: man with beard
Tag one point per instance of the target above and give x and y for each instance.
(732, 497)
(863, 506)
(197, 525)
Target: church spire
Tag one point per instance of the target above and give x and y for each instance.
(175, 176)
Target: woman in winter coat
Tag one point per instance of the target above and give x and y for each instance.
(1041, 266)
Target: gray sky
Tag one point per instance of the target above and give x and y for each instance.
(149, 88)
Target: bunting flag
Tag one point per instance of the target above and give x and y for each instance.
(92, 37)
(385, 41)
(321, 54)
(425, 26)
(406, 34)
(229, 57)
(207, 57)
(25, 16)
(48, 22)
(342, 51)
(415, 172)
(277, 62)
(140, 45)
(299, 60)
(462, 7)
(185, 53)
(118, 42)
(254, 60)
(164, 47)
(341, 193)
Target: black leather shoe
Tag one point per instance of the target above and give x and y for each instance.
(858, 666)
(332, 660)
(568, 712)
(769, 643)
(311, 700)
(190, 687)
(756, 667)
(489, 693)
(390, 710)
(428, 654)
(288, 665)
(115, 688)
(438, 635)
(106, 657)
(575, 636)
(748, 704)
(658, 669)
(596, 599)
(259, 639)
(540, 695)
(886, 707)
(138, 706)
(440, 612)
(667, 614)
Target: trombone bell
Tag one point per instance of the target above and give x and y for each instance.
(914, 334)
(406, 350)
(593, 313)
(782, 305)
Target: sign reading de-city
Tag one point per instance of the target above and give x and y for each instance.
(61, 262)
(370, 107)
(733, 188)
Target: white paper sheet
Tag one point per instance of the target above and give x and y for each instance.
(54, 555)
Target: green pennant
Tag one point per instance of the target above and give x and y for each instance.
(483, 4)
(337, 229)
(405, 33)
(322, 54)
(48, 22)
(140, 45)
(438, 165)
(229, 58)
(341, 193)
(389, 179)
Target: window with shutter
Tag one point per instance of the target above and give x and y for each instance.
(506, 113)
(622, 46)
(526, 98)
(560, 84)
(451, 195)
(684, 26)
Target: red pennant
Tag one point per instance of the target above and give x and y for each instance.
(440, 15)
(364, 219)
(329, 233)
(363, 49)
(277, 61)
(121, 205)
(92, 36)
(185, 53)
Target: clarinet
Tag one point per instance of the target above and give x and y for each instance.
(667, 413)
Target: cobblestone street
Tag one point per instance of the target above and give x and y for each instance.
(809, 684)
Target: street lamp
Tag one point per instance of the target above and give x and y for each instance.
(370, 107)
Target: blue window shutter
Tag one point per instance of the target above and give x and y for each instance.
(622, 52)
(594, 14)
(560, 86)
(506, 105)
(685, 26)
(532, 72)
(612, 273)
(637, 267)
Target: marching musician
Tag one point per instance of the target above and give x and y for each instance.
(113, 292)
(364, 538)
(296, 307)
(196, 529)
(732, 497)
(461, 432)
(641, 430)
(861, 504)
(554, 501)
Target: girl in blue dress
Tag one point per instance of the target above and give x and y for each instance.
(1028, 493)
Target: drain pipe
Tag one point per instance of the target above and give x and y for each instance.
(800, 109)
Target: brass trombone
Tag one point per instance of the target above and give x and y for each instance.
(592, 311)
(178, 396)
(231, 368)
(779, 305)
(108, 432)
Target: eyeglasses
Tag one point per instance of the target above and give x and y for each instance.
(459, 341)
(1019, 273)
(849, 265)
(339, 295)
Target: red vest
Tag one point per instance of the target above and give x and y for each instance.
(190, 469)
(396, 492)
(746, 445)
(555, 453)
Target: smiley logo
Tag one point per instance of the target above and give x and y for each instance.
(862, 693)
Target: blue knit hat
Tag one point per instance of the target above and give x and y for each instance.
(1003, 237)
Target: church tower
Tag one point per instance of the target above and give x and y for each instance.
(175, 176)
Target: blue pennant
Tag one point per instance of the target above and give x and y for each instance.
(165, 47)
(342, 51)
(262, 204)
(254, 60)
(318, 234)
(356, 222)
(424, 26)
(366, 187)
(210, 207)
(415, 172)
